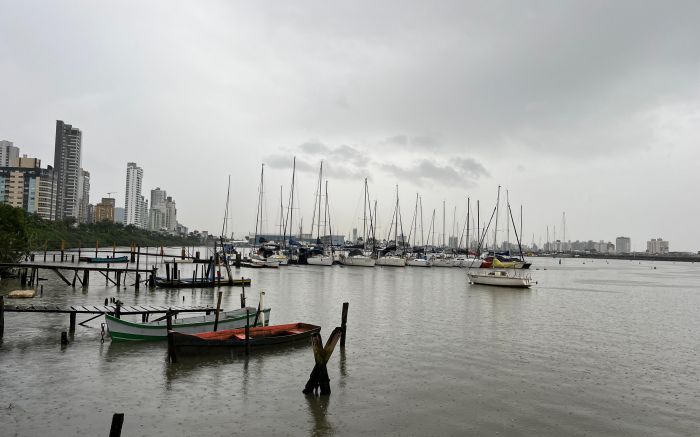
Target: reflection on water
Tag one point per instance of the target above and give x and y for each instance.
(597, 348)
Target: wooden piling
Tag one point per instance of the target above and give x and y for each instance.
(242, 292)
(153, 277)
(86, 278)
(117, 310)
(319, 375)
(117, 421)
(218, 310)
(138, 281)
(72, 322)
(64, 338)
(238, 260)
(247, 332)
(119, 279)
(343, 323)
(62, 249)
(182, 253)
(172, 356)
(2, 316)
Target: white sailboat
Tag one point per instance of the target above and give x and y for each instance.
(356, 257)
(325, 258)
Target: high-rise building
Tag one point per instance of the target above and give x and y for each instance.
(156, 215)
(657, 246)
(170, 215)
(25, 186)
(104, 211)
(134, 206)
(119, 215)
(46, 208)
(8, 154)
(623, 245)
(84, 196)
(67, 162)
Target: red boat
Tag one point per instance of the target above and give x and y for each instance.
(186, 344)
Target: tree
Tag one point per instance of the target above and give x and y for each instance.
(14, 235)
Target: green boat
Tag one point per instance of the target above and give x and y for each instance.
(123, 330)
(104, 260)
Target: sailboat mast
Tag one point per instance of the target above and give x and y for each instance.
(258, 212)
(396, 219)
(508, 222)
(495, 228)
(422, 239)
(318, 225)
(224, 228)
(443, 224)
(468, 209)
(325, 213)
(364, 222)
(281, 213)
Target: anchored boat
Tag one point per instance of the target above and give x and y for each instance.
(186, 344)
(123, 330)
(500, 278)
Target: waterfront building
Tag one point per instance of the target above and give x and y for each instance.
(46, 199)
(119, 215)
(26, 185)
(66, 164)
(657, 246)
(8, 154)
(135, 207)
(84, 197)
(104, 211)
(623, 244)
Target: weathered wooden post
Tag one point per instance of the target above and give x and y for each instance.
(138, 257)
(218, 309)
(97, 247)
(72, 321)
(118, 310)
(119, 279)
(114, 248)
(182, 253)
(242, 292)
(343, 323)
(86, 278)
(247, 332)
(64, 338)
(138, 281)
(63, 246)
(319, 375)
(107, 275)
(46, 246)
(172, 356)
(2, 316)
(117, 421)
(153, 277)
(238, 260)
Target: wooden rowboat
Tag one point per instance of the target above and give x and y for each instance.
(194, 344)
(104, 260)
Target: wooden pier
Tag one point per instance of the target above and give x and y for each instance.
(29, 273)
(117, 310)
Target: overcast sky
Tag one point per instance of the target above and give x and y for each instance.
(592, 108)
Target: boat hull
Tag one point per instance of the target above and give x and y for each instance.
(391, 261)
(197, 283)
(358, 261)
(324, 260)
(99, 260)
(123, 330)
(418, 262)
(500, 280)
(277, 335)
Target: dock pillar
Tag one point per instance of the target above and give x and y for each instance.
(2, 316)
(72, 322)
(117, 421)
(238, 260)
(138, 280)
(319, 375)
(171, 344)
(152, 282)
(344, 323)
(64, 338)
(86, 278)
(247, 332)
(119, 279)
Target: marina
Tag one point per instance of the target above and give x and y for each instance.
(421, 343)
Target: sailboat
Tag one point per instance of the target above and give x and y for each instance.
(257, 258)
(499, 275)
(357, 257)
(323, 258)
(392, 258)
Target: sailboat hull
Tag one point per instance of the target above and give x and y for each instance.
(322, 260)
(391, 261)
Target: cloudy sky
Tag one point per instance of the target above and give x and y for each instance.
(588, 107)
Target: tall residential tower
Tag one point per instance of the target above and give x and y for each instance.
(135, 208)
(67, 172)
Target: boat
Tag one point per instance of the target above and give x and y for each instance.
(418, 262)
(123, 330)
(499, 278)
(194, 344)
(442, 260)
(357, 259)
(104, 260)
(391, 261)
(320, 260)
(199, 282)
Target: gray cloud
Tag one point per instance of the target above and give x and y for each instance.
(464, 173)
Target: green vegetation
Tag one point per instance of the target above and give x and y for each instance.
(21, 232)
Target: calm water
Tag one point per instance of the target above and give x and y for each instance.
(593, 349)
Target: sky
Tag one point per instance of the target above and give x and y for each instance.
(590, 108)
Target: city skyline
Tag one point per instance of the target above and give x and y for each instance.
(608, 137)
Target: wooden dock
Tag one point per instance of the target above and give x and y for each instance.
(29, 273)
(117, 310)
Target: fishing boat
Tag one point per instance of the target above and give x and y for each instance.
(104, 260)
(500, 278)
(123, 330)
(194, 344)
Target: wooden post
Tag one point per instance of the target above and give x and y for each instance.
(218, 309)
(117, 421)
(2, 316)
(238, 260)
(167, 271)
(114, 248)
(64, 338)
(133, 252)
(172, 356)
(247, 332)
(86, 278)
(107, 275)
(242, 292)
(46, 245)
(138, 281)
(153, 277)
(119, 279)
(97, 247)
(117, 310)
(62, 249)
(72, 322)
(343, 323)
(138, 257)
(182, 253)
(319, 375)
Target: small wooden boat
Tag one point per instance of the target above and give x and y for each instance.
(199, 282)
(104, 260)
(185, 344)
(124, 330)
